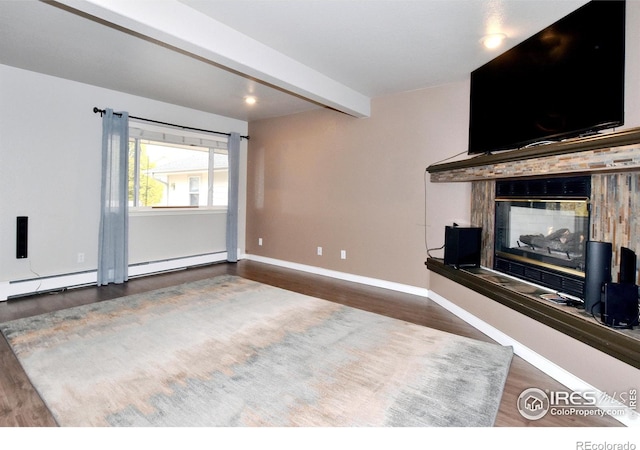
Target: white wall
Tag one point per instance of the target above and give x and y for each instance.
(183, 234)
(50, 171)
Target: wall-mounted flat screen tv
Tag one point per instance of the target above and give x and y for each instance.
(563, 82)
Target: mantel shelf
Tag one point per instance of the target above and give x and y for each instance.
(572, 146)
(621, 344)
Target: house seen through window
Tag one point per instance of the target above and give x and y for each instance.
(176, 171)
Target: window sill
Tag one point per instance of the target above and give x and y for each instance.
(177, 211)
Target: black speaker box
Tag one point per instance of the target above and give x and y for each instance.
(462, 246)
(597, 272)
(22, 234)
(620, 305)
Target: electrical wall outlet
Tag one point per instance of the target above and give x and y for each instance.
(343, 254)
(80, 258)
(259, 241)
(319, 251)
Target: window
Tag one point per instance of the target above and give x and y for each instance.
(167, 169)
(194, 191)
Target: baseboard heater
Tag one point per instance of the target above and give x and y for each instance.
(22, 288)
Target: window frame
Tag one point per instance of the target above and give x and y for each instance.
(179, 138)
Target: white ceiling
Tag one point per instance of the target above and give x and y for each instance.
(293, 55)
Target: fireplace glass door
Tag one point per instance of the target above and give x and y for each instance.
(543, 240)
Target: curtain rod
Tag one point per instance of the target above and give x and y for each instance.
(97, 110)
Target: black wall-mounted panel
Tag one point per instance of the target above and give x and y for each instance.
(22, 234)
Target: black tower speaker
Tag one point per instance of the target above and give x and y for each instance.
(627, 265)
(22, 232)
(597, 272)
(462, 246)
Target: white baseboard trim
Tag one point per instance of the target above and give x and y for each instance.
(340, 275)
(572, 382)
(46, 284)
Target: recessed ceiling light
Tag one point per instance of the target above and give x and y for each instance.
(250, 100)
(492, 41)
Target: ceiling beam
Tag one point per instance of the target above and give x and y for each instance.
(179, 26)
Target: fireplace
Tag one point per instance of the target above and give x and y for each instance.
(541, 230)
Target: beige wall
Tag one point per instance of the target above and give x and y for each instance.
(322, 178)
(325, 179)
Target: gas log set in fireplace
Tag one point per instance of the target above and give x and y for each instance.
(541, 231)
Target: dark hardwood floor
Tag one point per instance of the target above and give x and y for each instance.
(20, 404)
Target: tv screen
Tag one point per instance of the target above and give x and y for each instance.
(563, 82)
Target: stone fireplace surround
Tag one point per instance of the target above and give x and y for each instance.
(613, 161)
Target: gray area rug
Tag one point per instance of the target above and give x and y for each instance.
(228, 351)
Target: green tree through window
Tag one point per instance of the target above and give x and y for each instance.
(168, 170)
(150, 191)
